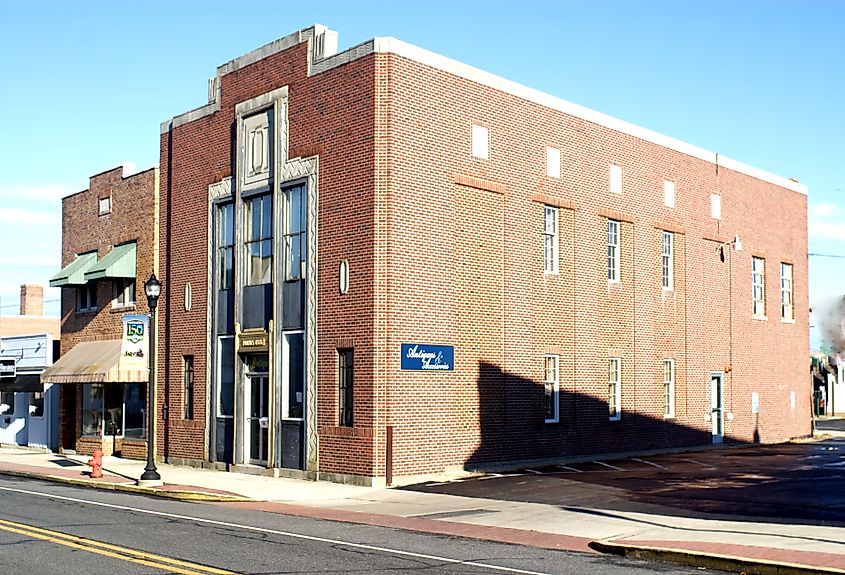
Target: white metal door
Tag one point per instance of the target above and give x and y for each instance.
(717, 410)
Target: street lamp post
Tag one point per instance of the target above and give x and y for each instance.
(152, 288)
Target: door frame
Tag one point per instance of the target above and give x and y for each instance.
(717, 406)
(247, 420)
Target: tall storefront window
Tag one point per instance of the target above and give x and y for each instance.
(225, 246)
(226, 377)
(114, 409)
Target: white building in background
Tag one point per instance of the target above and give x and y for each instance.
(29, 410)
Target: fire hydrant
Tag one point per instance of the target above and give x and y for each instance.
(96, 463)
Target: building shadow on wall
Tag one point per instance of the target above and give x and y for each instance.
(586, 462)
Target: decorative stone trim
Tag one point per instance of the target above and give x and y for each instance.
(616, 215)
(479, 183)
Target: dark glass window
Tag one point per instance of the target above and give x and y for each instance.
(86, 297)
(135, 409)
(226, 377)
(225, 246)
(259, 240)
(188, 384)
(345, 382)
(295, 347)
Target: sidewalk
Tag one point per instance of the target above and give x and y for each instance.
(747, 546)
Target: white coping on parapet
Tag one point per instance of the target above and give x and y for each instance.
(389, 45)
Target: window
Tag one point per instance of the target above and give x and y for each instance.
(135, 410)
(36, 404)
(758, 283)
(786, 291)
(293, 375)
(104, 205)
(612, 251)
(668, 194)
(614, 388)
(345, 394)
(259, 239)
(552, 162)
(7, 402)
(296, 226)
(668, 388)
(480, 142)
(188, 385)
(716, 206)
(615, 179)
(226, 377)
(550, 240)
(225, 237)
(552, 389)
(102, 409)
(668, 261)
(86, 297)
(124, 292)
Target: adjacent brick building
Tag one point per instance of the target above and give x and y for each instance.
(381, 264)
(109, 243)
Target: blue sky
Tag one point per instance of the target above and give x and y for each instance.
(86, 85)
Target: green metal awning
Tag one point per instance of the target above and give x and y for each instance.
(118, 263)
(73, 274)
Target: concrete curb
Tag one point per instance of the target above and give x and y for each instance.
(127, 488)
(716, 561)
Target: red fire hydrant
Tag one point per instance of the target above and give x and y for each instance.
(96, 463)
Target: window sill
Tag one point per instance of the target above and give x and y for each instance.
(669, 289)
(615, 418)
(669, 417)
(550, 273)
(552, 421)
(614, 282)
(760, 318)
(123, 308)
(86, 311)
(784, 320)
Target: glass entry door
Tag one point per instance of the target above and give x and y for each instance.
(257, 420)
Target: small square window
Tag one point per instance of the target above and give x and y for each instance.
(86, 297)
(552, 162)
(668, 194)
(105, 205)
(480, 142)
(124, 292)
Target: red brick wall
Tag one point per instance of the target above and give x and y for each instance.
(132, 218)
(446, 248)
(704, 323)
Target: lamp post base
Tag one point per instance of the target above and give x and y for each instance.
(150, 483)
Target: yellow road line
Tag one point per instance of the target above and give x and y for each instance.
(115, 551)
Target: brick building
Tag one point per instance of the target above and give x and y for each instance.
(109, 242)
(382, 264)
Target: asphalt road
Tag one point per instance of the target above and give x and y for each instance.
(49, 528)
(794, 482)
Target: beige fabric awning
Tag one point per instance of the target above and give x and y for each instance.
(93, 362)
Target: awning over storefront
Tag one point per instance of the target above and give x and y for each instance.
(26, 382)
(118, 263)
(74, 273)
(93, 362)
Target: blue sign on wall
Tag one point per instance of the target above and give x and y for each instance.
(425, 357)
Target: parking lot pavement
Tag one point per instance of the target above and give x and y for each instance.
(795, 482)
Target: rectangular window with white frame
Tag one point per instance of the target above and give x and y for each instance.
(758, 286)
(614, 388)
(550, 240)
(613, 251)
(124, 292)
(668, 261)
(786, 310)
(552, 389)
(668, 388)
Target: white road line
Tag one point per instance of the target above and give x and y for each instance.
(279, 532)
(534, 471)
(609, 466)
(649, 463)
(699, 463)
(570, 469)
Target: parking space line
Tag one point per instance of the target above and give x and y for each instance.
(609, 466)
(534, 471)
(708, 466)
(648, 463)
(570, 468)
